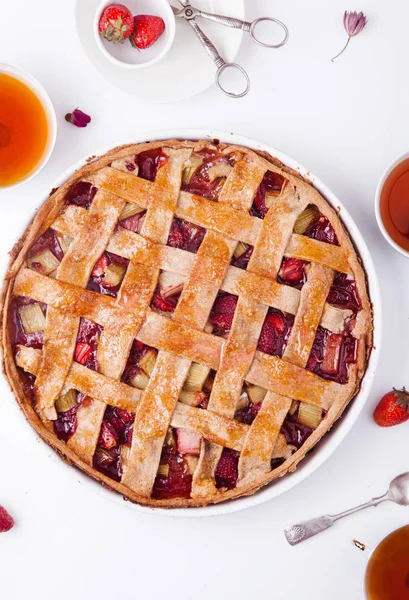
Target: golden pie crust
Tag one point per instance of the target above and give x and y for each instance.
(183, 338)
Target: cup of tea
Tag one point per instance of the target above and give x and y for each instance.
(28, 126)
(387, 572)
(392, 204)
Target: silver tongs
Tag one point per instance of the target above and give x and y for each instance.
(189, 13)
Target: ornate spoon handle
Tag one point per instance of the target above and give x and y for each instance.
(302, 531)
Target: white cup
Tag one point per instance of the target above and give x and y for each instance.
(378, 193)
(48, 107)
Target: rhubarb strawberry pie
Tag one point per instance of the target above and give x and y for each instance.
(184, 321)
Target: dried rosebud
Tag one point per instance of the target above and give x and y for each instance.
(78, 118)
(354, 23)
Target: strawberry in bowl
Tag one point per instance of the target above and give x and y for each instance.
(116, 23)
(132, 31)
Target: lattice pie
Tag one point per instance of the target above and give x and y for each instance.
(183, 321)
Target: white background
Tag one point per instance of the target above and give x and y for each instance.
(346, 121)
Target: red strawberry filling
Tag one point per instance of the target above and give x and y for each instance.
(344, 293)
(66, 423)
(164, 304)
(87, 342)
(149, 162)
(271, 182)
(47, 241)
(295, 432)
(292, 272)
(322, 231)
(248, 414)
(185, 235)
(242, 261)
(275, 332)
(227, 469)
(331, 354)
(98, 282)
(81, 194)
(138, 350)
(222, 313)
(178, 481)
(200, 183)
(116, 430)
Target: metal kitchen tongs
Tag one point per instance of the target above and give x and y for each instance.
(190, 13)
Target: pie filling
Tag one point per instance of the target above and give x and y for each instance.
(331, 354)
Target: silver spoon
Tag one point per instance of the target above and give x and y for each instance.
(398, 492)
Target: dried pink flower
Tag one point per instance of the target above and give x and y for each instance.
(78, 118)
(354, 23)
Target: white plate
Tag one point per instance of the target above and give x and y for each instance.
(330, 441)
(184, 72)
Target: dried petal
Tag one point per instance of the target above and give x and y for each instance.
(78, 118)
(354, 22)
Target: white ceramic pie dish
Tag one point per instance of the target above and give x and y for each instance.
(331, 440)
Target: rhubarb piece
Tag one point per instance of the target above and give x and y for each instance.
(219, 170)
(170, 439)
(196, 377)
(163, 470)
(306, 219)
(32, 318)
(114, 274)
(192, 398)
(332, 353)
(64, 240)
(295, 432)
(242, 402)
(82, 352)
(240, 249)
(310, 415)
(270, 186)
(256, 393)
(6, 520)
(129, 210)
(103, 459)
(45, 262)
(139, 380)
(170, 283)
(66, 401)
(270, 198)
(294, 407)
(208, 384)
(322, 231)
(191, 463)
(188, 441)
(148, 360)
(190, 167)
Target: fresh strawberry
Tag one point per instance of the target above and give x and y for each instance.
(108, 437)
(226, 470)
(147, 30)
(82, 352)
(6, 520)
(222, 313)
(116, 23)
(392, 409)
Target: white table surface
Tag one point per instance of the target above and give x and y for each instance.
(345, 121)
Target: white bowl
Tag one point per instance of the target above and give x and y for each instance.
(125, 55)
(378, 216)
(331, 440)
(46, 103)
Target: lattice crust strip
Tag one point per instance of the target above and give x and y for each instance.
(182, 339)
